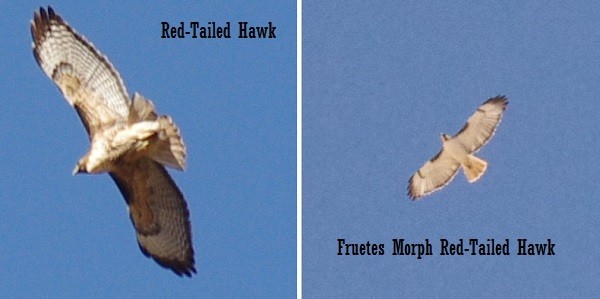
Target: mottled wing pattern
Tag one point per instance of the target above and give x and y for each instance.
(482, 124)
(91, 84)
(85, 77)
(433, 175)
(159, 214)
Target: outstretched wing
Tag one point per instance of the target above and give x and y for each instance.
(159, 214)
(482, 124)
(433, 175)
(84, 76)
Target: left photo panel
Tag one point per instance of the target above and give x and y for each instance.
(148, 149)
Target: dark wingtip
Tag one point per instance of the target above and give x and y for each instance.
(43, 14)
(412, 197)
(499, 99)
(41, 24)
(181, 268)
(409, 192)
(51, 12)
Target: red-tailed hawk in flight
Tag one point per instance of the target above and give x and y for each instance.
(127, 139)
(458, 151)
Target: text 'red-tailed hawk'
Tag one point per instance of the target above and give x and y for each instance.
(127, 139)
(458, 151)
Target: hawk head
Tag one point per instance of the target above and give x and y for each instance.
(87, 165)
(80, 167)
(444, 137)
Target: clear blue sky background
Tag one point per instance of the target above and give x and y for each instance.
(234, 101)
(381, 80)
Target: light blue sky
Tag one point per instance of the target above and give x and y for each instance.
(382, 80)
(234, 101)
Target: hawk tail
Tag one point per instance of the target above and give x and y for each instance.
(169, 149)
(474, 168)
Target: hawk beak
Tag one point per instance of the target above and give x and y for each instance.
(444, 137)
(76, 170)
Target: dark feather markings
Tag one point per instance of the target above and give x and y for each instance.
(494, 100)
(180, 268)
(41, 25)
(41, 29)
(409, 187)
(497, 100)
(128, 190)
(500, 101)
(129, 194)
(437, 156)
(133, 176)
(84, 120)
(464, 127)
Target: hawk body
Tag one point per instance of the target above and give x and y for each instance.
(458, 151)
(127, 139)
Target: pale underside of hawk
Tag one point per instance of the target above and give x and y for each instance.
(458, 151)
(127, 139)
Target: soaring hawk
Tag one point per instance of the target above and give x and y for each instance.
(127, 139)
(458, 151)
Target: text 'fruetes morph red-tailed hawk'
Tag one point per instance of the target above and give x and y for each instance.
(128, 140)
(458, 151)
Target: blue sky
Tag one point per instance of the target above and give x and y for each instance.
(235, 103)
(381, 81)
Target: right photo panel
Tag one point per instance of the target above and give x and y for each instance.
(450, 149)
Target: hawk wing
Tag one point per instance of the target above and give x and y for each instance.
(84, 76)
(433, 175)
(159, 214)
(482, 124)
